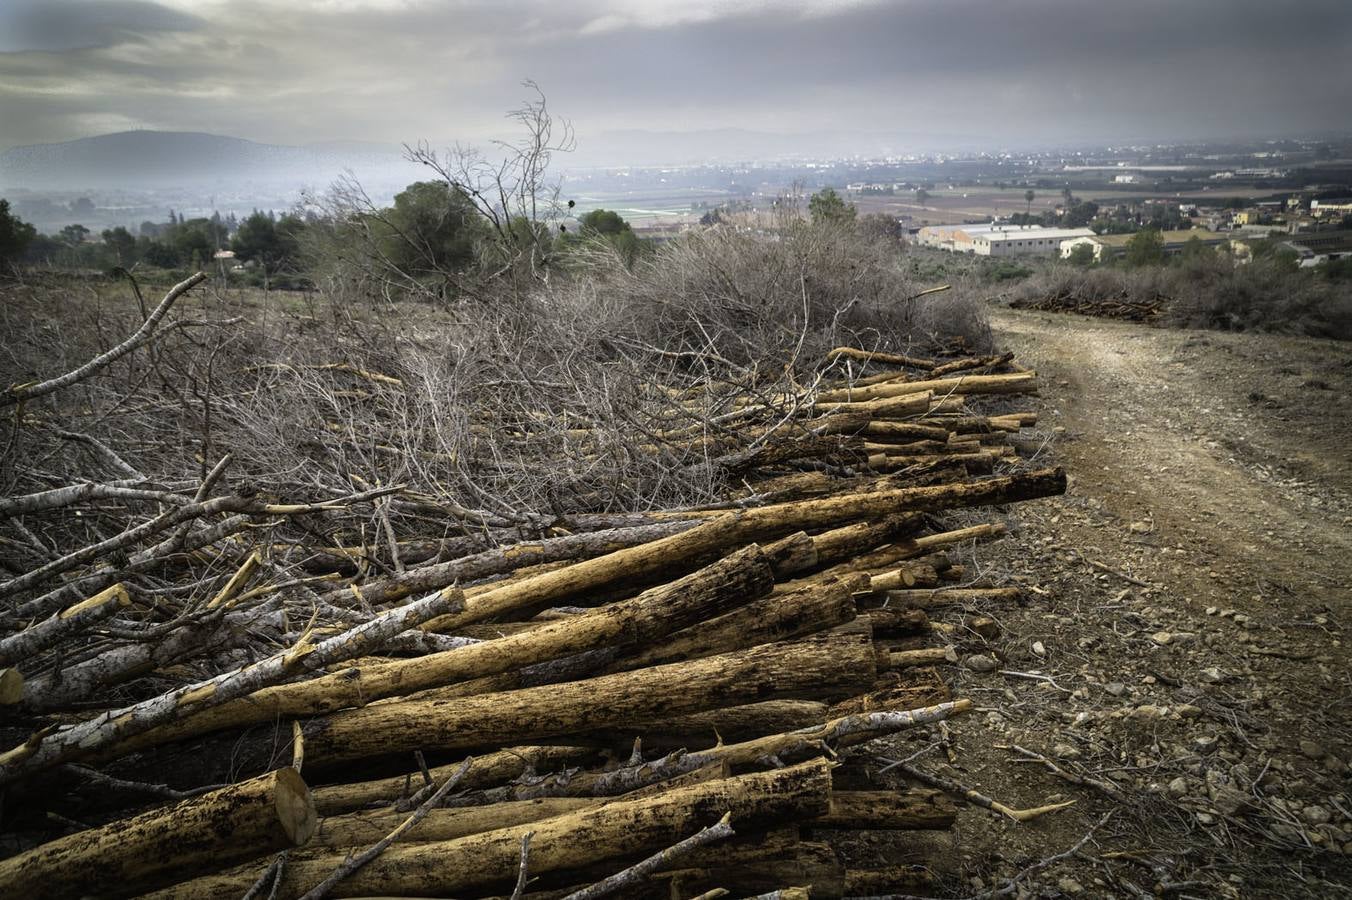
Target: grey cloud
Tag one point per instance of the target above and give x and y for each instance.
(1032, 72)
(55, 25)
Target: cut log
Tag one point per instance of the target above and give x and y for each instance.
(879, 356)
(11, 686)
(734, 723)
(501, 560)
(887, 881)
(803, 669)
(243, 821)
(106, 733)
(780, 617)
(575, 840)
(1016, 383)
(927, 599)
(363, 829)
(648, 618)
(898, 622)
(68, 622)
(488, 770)
(917, 808)
(929, 656)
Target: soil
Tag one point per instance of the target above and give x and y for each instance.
(1182, 641)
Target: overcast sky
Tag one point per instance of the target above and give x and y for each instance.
(1007, 72)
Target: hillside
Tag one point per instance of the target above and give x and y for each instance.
(142, 159)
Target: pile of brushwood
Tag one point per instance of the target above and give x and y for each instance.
(213, 691)
(1122, 305)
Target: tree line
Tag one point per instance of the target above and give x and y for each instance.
(430, 228)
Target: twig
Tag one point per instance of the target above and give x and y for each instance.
(1035, 676)
(1056, 770)
(631, 876)
(523, 868)
(272, 875)
(24, 393)
(978, 799)
(352, 864)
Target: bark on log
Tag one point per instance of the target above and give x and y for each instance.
(488, 770)
(927, 599)
(570, 841)
(887, 881)
(115, 728)
(1017, 383)
(361, 829)
(802, 669)
(243, 821)
(879, 356)
(780, 617)
(913, 809)
(648, 618)
(501, 560)
(735, 723)
(898, 622)
(56, 628)
(862, 506)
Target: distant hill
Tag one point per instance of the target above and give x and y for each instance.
(178, 159)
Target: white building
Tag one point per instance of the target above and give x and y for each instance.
(992, 239)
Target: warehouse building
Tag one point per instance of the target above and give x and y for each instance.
(992, 239)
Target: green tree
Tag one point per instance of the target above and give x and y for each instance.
(271, 244)
(1081, 255)
(195, 240)
(611, 227)
(74, 235)
(15, 236)
(1145, 248)
(122, 244)
(603, 222)
(431, 228)
(1028, 197)
(921, 195)
(1080, 214)
(827, 206)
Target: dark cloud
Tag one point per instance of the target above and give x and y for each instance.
(55, 25)
(928, 71)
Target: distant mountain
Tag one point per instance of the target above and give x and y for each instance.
(176, 159)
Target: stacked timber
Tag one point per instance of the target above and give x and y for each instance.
(625, 704)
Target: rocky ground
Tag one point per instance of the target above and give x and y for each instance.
(1180, 656)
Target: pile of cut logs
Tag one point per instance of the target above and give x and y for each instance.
(646, 704)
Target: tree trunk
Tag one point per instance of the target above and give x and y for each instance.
(488, 770)
(569, 841)
(916, 808)
(242, 821)
(803, 669)
(645, 619)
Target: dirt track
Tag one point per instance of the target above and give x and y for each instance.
(1189, 596)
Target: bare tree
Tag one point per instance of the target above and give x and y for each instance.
(512, 192)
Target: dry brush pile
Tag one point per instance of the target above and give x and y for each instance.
(550, 612)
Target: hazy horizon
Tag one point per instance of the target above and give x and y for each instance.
(910, 76)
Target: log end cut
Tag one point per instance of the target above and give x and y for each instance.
(295, 806)
(11, 686)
